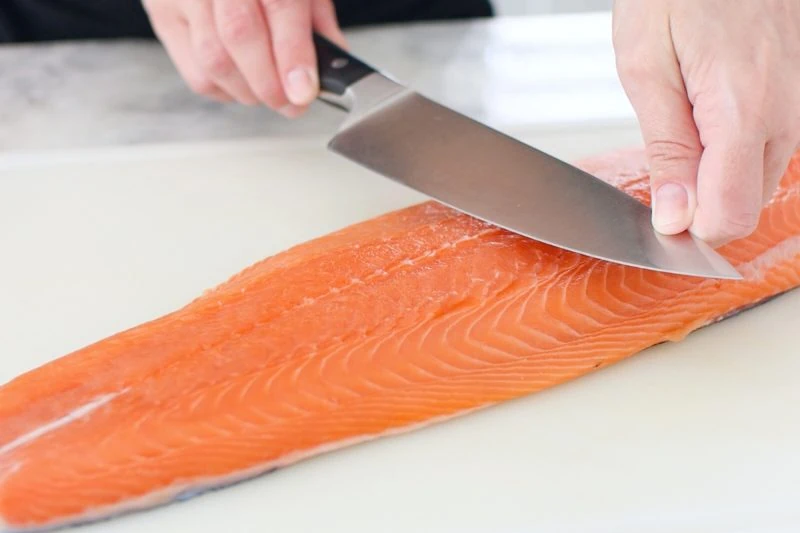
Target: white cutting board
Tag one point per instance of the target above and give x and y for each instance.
(701, 436)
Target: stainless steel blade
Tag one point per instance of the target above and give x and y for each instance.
(484, 173)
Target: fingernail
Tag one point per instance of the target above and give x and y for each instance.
(300, 86)
(671, 208)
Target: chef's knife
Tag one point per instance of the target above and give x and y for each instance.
(475, 169)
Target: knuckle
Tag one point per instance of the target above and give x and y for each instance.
(631, 67)
(236, 22)
(293, 44)
(672, 159)
(271, 95)
(671, 151)
(214, 57)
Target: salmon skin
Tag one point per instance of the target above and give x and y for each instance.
(385, 326)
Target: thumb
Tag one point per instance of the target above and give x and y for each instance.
(674, 152)
(650, 74)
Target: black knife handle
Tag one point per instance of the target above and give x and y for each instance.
(338, 70)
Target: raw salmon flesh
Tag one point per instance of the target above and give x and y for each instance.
(382, 327)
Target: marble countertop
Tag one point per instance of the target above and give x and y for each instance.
(515, 74)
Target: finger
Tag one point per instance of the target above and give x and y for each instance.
(656, 91)
(243, 31)
(211, 54)
(324, 20)
(777, 156)
(290, 28)
(173, 33)
(730, 186)
(673, 151)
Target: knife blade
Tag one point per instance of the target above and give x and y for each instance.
(468, 166)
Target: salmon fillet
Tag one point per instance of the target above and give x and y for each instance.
(385, 326)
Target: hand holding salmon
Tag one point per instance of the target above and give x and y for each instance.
(714, 84)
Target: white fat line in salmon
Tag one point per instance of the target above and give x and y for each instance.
(784, 251)
(68, 418)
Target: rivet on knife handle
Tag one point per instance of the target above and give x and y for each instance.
(338, 70)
